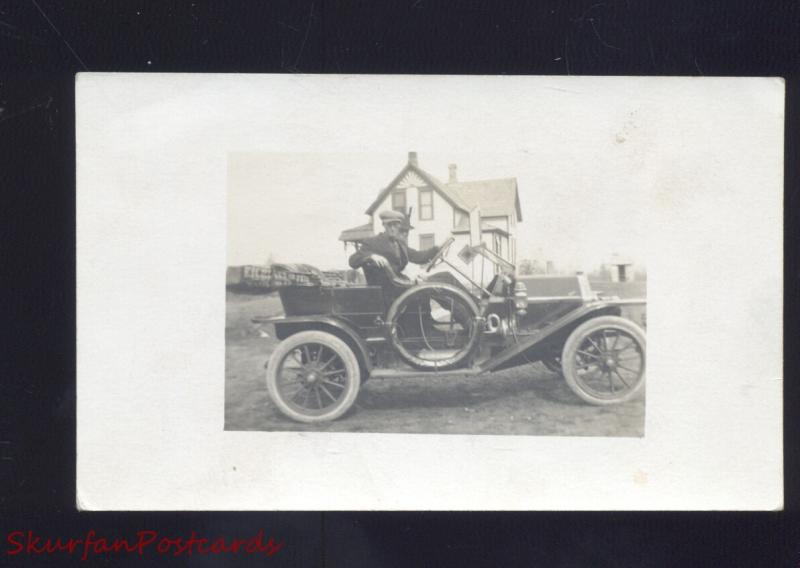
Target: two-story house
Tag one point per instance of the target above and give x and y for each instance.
(470, 211)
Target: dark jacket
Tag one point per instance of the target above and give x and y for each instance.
(396, 252)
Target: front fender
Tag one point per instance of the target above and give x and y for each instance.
(526, 344)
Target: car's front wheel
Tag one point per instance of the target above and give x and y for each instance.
(604, 360)
(313, 376)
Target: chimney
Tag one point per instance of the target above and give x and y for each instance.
(412, 159)
(453, 176)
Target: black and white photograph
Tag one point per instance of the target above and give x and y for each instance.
(458, 307)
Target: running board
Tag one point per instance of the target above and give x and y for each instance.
(409, 372)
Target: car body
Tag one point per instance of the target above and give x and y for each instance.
(335, 338)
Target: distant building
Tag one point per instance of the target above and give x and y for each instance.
(470, 211)
(620, 268)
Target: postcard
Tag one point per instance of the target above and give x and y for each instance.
(346, 292)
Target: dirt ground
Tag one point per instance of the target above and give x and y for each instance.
(525, 400)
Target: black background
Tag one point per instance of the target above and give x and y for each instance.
(44, 42)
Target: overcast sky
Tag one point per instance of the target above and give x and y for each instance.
(295, 205)
(591, 156)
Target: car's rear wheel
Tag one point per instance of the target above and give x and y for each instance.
(313, 376)
(604, 360)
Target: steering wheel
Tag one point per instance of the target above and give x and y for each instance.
(439, 254)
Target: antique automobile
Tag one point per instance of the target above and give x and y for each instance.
(334, 339)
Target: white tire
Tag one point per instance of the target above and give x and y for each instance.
(313, 376)
(604, 360)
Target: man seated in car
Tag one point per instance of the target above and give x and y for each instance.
(390, 249)
(383, 258)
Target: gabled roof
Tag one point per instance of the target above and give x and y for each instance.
(495, 197)
(449, 196)
(357, 233)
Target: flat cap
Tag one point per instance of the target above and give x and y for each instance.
(395, 217)
(392, 217)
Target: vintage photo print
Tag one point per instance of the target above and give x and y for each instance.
(369, 294)
(426, 292)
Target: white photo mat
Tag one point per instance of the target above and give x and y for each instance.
(152, 155)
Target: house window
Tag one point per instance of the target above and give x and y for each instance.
(426, 241)
(460, 219)
(425, 204)
(399, 201)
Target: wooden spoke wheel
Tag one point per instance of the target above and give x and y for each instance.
(313, 376)
(604, 360)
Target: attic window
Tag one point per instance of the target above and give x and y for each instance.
(399, 201)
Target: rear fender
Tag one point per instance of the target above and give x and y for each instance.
(288, 326)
